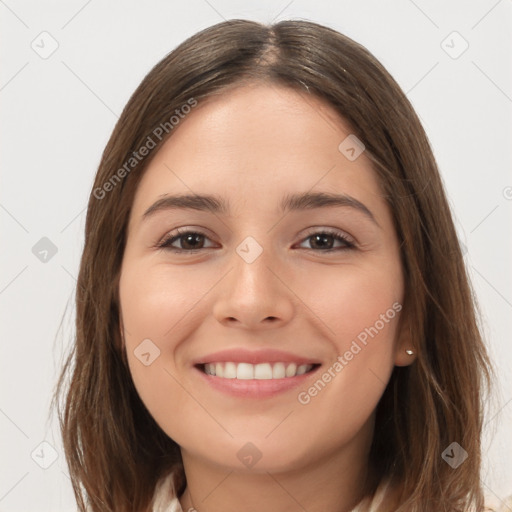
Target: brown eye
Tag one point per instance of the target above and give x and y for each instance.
(325, 241)
(184, 241)
(191, 241)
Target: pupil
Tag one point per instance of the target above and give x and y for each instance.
(324, 240)
(189, 240)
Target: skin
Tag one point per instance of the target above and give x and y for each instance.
(252, 146)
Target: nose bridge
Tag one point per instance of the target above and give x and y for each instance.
(252, 292)
(251, 263)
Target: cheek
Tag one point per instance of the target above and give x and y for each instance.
(356, 303)
(155, 301)
(359, 315)
(156, 306)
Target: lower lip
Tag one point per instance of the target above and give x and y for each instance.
(255, 388)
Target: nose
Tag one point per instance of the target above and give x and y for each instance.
(254, 295)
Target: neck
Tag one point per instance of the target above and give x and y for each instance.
(336, 483)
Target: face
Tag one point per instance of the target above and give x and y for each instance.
(263, 316)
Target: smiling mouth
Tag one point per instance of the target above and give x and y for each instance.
(261, 371)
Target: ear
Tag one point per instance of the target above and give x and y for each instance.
(404, 345)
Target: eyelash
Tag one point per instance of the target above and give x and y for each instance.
(165, 244)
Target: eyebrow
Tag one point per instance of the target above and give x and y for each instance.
(290, 202)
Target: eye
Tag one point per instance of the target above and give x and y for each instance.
(325, 239)
(190, 241)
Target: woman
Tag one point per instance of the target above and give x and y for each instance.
(272, 307)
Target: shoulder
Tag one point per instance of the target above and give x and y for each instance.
(165, 498)
(387, 491)
(495, 504)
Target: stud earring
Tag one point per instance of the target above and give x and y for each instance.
(409, 352)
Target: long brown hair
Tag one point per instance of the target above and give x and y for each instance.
(115, 450)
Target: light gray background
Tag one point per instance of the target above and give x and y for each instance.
(57, 114)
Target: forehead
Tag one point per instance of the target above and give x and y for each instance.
(253, 143)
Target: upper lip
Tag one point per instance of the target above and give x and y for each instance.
(238, 355)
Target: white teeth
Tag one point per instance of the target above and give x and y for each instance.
(303, 368)
(261, 371)
(229, 370)
(291, 370)
(278, 371)
(245, 371)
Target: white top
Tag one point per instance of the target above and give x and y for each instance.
(166, 500)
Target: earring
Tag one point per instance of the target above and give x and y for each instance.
(409, 352)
